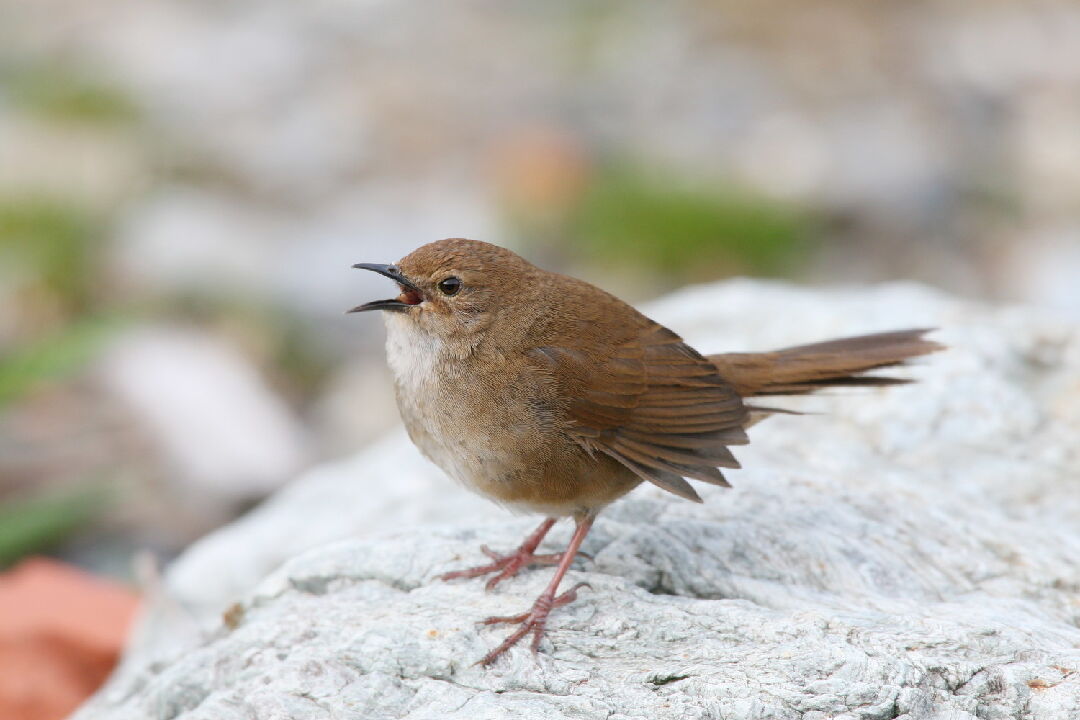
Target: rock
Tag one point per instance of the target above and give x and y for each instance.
(900, 553)
(1044, 268)
(339, 421)
(61, 632)
(225, 436)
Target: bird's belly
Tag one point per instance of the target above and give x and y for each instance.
(509, 450)
(517, 466)
(470, 453)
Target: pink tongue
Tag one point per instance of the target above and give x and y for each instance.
(410, 297)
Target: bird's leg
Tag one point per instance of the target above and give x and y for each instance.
(507, 566)
(535, 619)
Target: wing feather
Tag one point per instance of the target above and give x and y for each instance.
(654, 405)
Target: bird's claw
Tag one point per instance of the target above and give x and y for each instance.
(507, 566)
(534, 621)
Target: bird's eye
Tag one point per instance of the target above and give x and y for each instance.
(450, 286)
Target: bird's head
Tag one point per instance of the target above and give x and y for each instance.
(454, 287)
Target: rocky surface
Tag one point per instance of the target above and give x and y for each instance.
(224, 435)
(903, 553)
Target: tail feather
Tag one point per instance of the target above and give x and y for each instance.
(834, 363)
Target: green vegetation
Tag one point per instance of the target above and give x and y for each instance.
(55, 243)
(649, 219)
(36, 524)
(52, 248)
(61, 93)
(49, 257)
(51, 358)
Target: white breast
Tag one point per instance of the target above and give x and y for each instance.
(433, 404)
(412, 353)
(415, 357)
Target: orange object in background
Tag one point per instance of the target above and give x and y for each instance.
(61, 633)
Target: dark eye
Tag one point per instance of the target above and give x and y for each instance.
(449, 286)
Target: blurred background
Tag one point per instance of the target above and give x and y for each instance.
(184, 185)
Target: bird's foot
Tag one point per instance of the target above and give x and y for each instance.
(534, 621)
(507, 566)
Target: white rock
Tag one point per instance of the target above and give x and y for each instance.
(906, 553)
(224, 434)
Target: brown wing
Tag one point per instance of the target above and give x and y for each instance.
(656, 406)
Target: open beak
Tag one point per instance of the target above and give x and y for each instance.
(410, 294)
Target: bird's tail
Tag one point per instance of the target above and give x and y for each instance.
(835, 363)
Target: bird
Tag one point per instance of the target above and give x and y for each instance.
(551, 396)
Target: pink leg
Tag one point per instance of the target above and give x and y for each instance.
(508, 565)
(535, 619)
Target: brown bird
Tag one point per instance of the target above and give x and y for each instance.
(549, 395)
